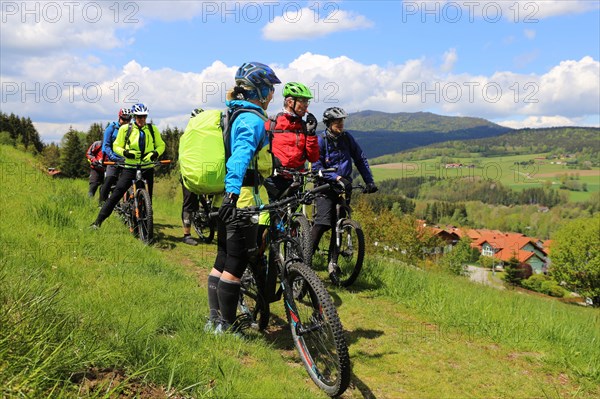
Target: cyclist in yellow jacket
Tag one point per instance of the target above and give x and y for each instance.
(139, 143)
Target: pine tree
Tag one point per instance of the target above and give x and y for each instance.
(51, 156)
(95, 133)
(72, 161)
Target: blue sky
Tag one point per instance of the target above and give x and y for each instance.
(517, 63)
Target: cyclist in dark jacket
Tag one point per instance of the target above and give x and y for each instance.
(110, 135)
(339, 150)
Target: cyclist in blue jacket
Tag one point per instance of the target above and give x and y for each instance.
(250, 162)
(339, 150)
(110, 135)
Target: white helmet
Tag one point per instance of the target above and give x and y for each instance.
(139, 109)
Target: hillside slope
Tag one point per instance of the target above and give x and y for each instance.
(381, 133)
(116, 304)
(559, 140)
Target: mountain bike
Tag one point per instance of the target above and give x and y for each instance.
(136, 206)
(316, 328)
(203, 224)
(349, 251)
(293, 218)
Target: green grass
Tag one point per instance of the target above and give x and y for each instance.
(74, 300)
(565, 335)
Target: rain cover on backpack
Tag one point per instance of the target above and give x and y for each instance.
(202, 153)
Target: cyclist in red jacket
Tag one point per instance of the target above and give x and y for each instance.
(94, 155)
(293, 140)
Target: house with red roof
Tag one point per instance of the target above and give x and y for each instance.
(505, 246)
(499, 245)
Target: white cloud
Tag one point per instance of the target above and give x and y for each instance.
(450, 58)
(305, 23)
(539, 122)
(566, 94)
(44, 27)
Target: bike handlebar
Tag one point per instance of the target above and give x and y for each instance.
(302, 173)
(123, 164)
(303, 198)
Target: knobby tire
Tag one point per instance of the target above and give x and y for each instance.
(350, 259)
(321, 344)
(144, 217)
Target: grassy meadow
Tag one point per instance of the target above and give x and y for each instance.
(97, 314)
(504, 169)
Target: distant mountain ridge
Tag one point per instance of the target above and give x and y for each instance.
(381, 133)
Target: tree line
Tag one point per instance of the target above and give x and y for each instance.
(68, 155)
(20, 133)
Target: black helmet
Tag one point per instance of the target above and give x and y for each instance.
(333, 113)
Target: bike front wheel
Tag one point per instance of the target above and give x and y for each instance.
(144, 217)
(317, 331)
(351, 253)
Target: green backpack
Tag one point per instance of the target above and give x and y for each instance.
(204, 150)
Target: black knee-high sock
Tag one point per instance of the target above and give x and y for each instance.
(213, 299)
(229, 292)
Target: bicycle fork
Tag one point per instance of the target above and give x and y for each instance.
(339, 237)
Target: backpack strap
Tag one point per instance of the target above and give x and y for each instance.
(128, 134)
(272, 123)
(130, 127)
(227, 119)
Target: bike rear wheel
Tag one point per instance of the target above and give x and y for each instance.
(351, 253)
(252, 301)
(143, 216)
(300, 228)
(317, 331)
(203, 224)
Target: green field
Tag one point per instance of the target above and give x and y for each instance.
(506, 170)
(96, 314)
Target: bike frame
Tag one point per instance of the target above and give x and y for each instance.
(138, 183)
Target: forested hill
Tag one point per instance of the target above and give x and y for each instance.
(380, 133)
(584, 141)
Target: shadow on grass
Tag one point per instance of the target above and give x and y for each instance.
(166, 240)
(358, 384)
(353, 336)
(278, 334)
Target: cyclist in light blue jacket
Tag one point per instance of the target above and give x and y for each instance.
(247, 166)
(110, 134)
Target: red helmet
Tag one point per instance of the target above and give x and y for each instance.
(125, 114)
